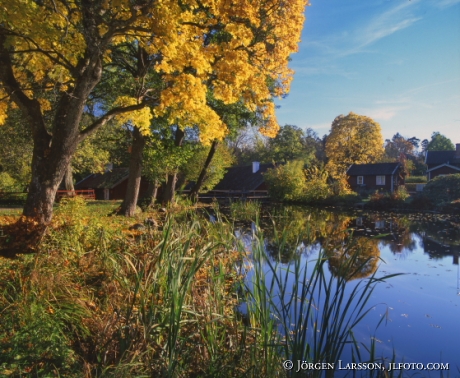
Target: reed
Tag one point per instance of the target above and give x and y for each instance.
(305, 313)
(244, 210)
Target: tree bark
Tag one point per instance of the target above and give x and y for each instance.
(128, 207)
(199, 183)
(68, 180)
(170, 186)
(151, 195)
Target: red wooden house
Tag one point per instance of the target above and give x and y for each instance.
(243, 181)
(441, 163)
(378, 176)
(110, 185)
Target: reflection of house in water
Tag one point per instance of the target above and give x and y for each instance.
(386, 230)
(380, 224)
(437, 250)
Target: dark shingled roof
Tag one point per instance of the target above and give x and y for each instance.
(242, 178)
(441, 157)
(372, 169)
(105, 180)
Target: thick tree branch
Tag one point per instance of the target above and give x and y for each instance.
(30, 107)
(109, 116)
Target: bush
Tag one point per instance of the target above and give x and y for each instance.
(443, 189)
(385, 200)
(401, 194)
(291, 182)
(286, 182)
(415, 180)
(421, 202)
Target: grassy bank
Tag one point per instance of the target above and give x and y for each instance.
(103, 299)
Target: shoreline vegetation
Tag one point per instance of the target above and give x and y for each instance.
(105, 298)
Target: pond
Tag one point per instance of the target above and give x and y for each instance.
(419, 309)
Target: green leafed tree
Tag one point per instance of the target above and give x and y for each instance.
(221, 160)
(439, 142)
(289, 145)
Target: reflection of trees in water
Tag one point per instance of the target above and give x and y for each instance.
(293, 231)
(302, 232)
(443, 232)
(285, 253)
(298, 231)
(392, 232)
(402, 240)
(355, 258)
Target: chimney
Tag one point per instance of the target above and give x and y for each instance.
(255, 166)
(457, 150)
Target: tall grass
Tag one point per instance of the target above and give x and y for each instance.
(244, 210)
(101, 301)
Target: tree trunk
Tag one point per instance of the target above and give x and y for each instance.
(128, 207)
(170, 186)
(68, 180)
(151, 195)
(52, 151)
(199, 183)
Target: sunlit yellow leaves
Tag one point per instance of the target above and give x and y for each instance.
(247, 61)
(44, 104)
(184, 102)
(3, 106)
(270, 127)
(140, 118)
(354, 139)
(3, 110)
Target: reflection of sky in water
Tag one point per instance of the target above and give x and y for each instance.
(422, 306)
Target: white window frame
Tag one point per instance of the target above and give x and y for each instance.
(379, 180)
(360, 182)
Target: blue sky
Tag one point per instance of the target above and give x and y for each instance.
(396, 61)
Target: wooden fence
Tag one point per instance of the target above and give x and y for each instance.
(236, 194)
(87, 194)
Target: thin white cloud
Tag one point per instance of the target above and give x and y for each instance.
(382, 113)
(302, 68)
(365, 34)
(424, 87)
(379, 30)
(389, 22)
(446, 3)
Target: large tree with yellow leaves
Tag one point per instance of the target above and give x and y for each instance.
(353, 139)
(59, 49)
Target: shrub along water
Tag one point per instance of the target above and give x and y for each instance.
(100, 301)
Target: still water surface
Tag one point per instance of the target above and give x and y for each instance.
(421, 307)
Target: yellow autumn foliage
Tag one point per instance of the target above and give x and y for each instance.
(354, 139)
(140, 118)
(50, 39)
